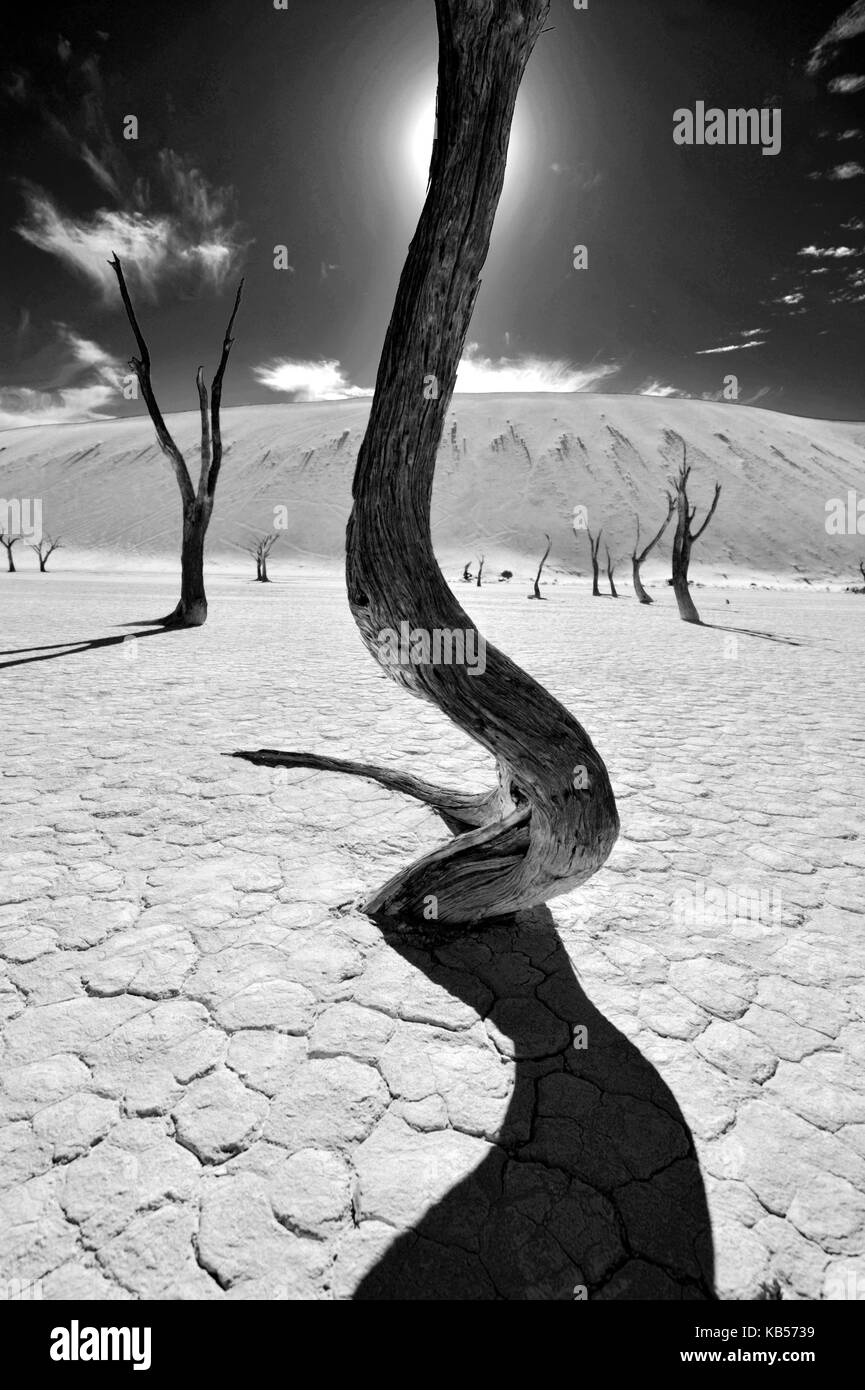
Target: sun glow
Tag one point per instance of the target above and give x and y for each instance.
(417, 144)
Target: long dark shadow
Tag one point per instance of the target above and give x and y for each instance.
(593, 1181)
(58, 649)
(753, 632)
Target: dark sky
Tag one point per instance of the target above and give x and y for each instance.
(305, 127)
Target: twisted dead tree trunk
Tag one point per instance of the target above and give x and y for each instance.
(7, 543)
(480, 570)
(594, 546)
(537, 593)
(551, 821)
(610, 567)
(197, 504)
(638, 556)
(685, 538)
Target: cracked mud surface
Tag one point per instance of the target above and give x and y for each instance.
(220, 1080)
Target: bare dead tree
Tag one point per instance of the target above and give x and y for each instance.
(197, 503)
(480, 569)
(594, 546)
(537, 590)
(611, 564)
(685, 538)
(45, 549)
(862, 568)
(638, 556)
(551, 820)
(259, 550)
(7, 542)
(467, 573)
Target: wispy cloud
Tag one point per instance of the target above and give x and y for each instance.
(851, 170)
(85, 382)
(849, 25)
(476, 375)
(657, 388)
(731, 347)
(845, 86)
(173, 223)
(308, 381)
(479, 375)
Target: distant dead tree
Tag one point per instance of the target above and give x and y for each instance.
(45, 549)
(610, 567)
(467, 573)
(191, 611)
(638, 556)
(537, 592)
(594, 546)
(550, 821)
(259, 551)
(685, 538)
(506, 575)
(480, 569)
(7, 542)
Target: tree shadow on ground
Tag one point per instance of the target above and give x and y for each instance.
(752, 632)
(53, 650)
(592, 1182)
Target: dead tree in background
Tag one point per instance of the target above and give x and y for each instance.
(259, 551)
(610, 568)
(467, 573)
(594, 546)
(537, 593)
(505, 576)
(638, 556)
(480, 569)
(191, 611)
(685, 538)
(45, 549)
(551, 820)
(7, 542)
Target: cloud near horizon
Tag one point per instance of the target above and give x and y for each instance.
(87, 380)
(476, 375)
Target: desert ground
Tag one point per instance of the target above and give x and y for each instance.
(221, 1080)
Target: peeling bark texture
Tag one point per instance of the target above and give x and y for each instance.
(537, 593)
(197, 504)
(639, 556)
(685, 538)
(551, 821)
(610, 568)
(594, 546)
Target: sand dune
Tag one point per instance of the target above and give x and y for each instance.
(510, 468)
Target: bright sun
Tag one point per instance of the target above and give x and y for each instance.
(418, 143)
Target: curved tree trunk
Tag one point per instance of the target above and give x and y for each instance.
(551, 821)
(638, 583)
(681, 560)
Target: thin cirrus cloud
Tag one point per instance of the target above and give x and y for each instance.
(174, 224)
(476, 375)
(86, 381)
(849, 25)
(152, 247)
(731, 347)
